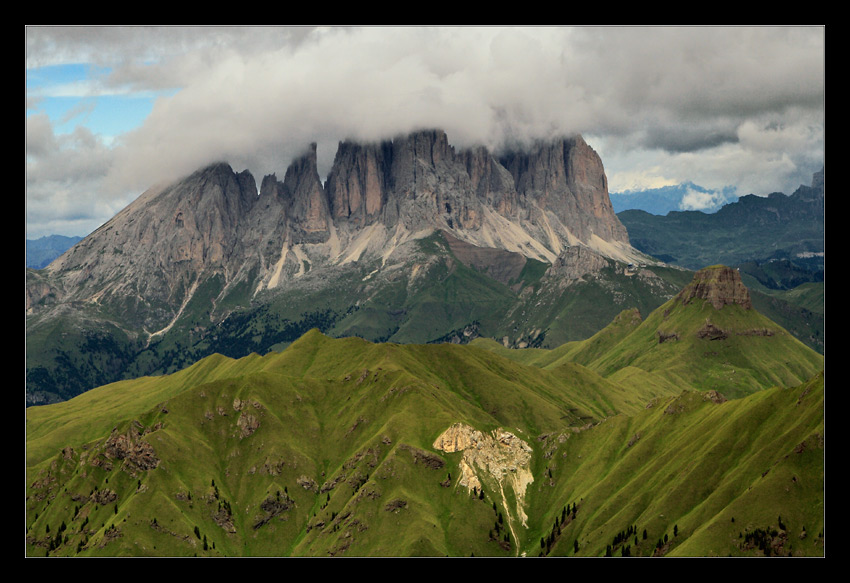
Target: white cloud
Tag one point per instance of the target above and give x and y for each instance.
(695, 200)
(697, 103)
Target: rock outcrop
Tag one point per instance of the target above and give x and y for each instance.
(566, 178)
(497, 458)
(357, 186)
(132, 450)
(575, 262)
(149, 257)
(307, 208)
(718, 285)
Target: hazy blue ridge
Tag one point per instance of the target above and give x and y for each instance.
(754, 228)
(680, 197)
(40, 252)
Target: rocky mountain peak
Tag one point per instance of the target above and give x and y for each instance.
(304, 201)
(358, 184)
(818, 180)
(566, 177)
(378, 196)
(718, 285)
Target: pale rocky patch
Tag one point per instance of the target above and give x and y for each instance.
(498, 456)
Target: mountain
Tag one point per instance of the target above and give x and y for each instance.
(343, 447)
(407, 240)
(777, 242)
(678, 197)
(754, 228)
(709, 337)
(40, 252)
(158, 251)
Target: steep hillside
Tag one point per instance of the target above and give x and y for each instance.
(341, 447)
(708, 337)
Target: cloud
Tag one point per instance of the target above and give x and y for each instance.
(258, 96)
(64, 180)
(696, 200)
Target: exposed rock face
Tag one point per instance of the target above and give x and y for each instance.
(499, 457)
(430, 185)
(555, 195)
(711, 332)
(149, 256)
(575, 262)
(718, 285)
(491, 182)
(132, 450)
(566, 178)
(307, 206)
(152, 257)
(357, 185)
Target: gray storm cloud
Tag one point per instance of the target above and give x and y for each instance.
(257, 97)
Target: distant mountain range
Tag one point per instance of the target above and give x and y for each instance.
(680, 197)
(40, 252)
(754, 228)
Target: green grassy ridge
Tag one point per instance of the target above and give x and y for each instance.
(318, 415)
(809, 295)
(96, 412)
(566, 313)
(741, 362)
(801, 311)
(466, 373)
(753, 353)
(695, 465)
(315, 439)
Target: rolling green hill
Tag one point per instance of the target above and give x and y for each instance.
(343, 447)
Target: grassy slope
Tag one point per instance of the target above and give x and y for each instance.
(361, 418)
(320, 405)
(738, 364)
(629, 352)
(712, 471)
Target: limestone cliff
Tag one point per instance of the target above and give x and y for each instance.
(357, 185)
(152, 257)
(308, 212)
(565, 179)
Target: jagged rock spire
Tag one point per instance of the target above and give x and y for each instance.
(537, 203)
